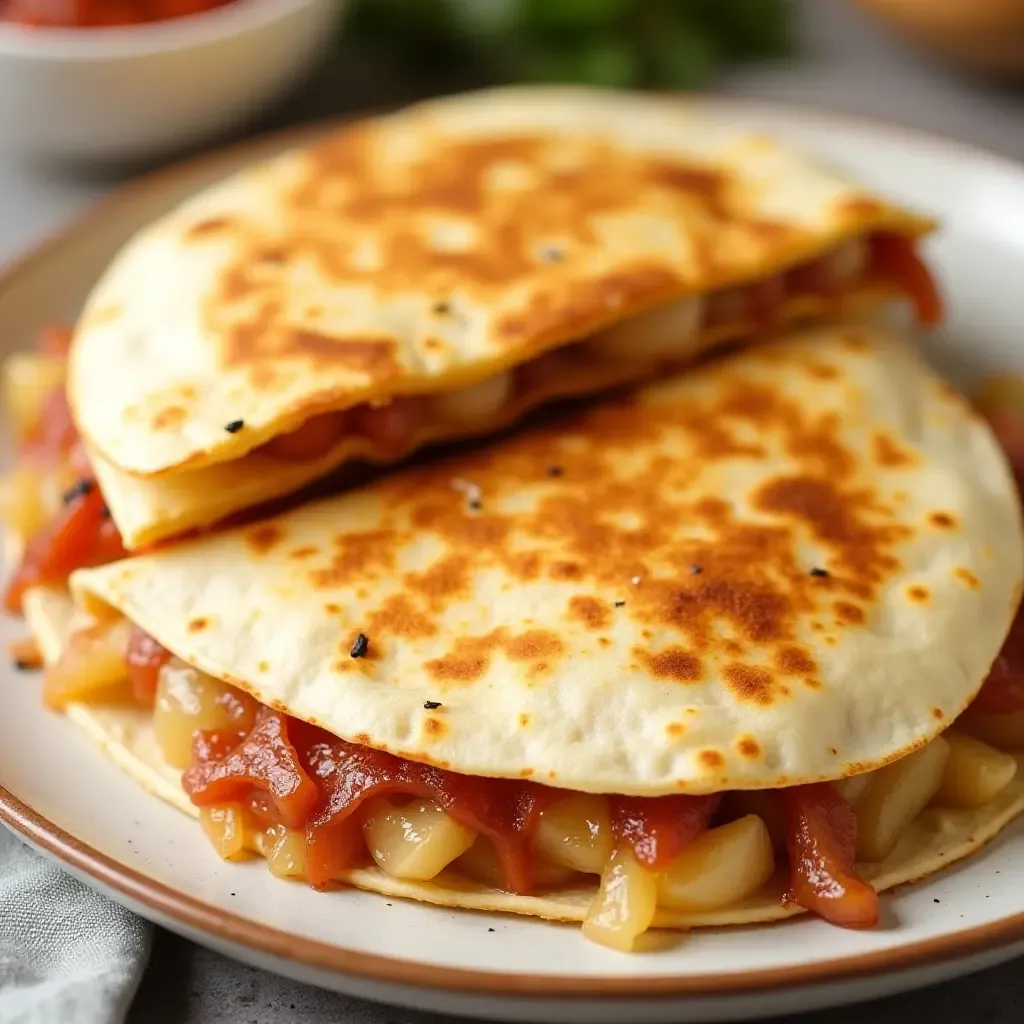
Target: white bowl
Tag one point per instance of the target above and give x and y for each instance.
(129, 93)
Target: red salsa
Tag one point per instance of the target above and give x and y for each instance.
(100, 13)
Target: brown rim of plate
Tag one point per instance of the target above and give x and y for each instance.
(231, 928)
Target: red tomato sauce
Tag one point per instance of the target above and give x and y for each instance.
(100, 13)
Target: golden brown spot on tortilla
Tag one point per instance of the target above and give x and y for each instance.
(672, 663)
(566, 571)
(308, 551)
(537, 669)
(362, 738)
(942, 520)
(751, 684)
(793, 661)
(849, 614)
(888, 453)
(197, 625)
(748, 747)
(434, 727)
(358, 555)
(711, 759)
(264, 666)
(855, 342)
(209, 226)
(264, 538)
(398, 616)
(470, 656)
(525, 773)
(675, 729)
(937, 714)
(604, 641)
(332, 609)
(967, 577)
(524, 721)
(822, 371)
(169, 416)
(448, 578)
(536, 643)
(591, 611)
(918, 594)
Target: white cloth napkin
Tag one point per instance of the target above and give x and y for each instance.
(67, 954)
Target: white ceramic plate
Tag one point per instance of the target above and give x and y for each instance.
(70, 802)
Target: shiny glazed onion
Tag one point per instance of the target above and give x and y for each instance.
(187, 700)
(665, 332)
(416, 841)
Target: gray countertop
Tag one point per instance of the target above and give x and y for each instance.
(848, 66)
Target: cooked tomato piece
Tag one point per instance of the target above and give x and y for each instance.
(392, 426)
(82, 534)
(348, 775)
(894, 258)
(214, 744)
(54, 435)
(145, 659)
(822, 839)
(659, 827)
(314, 439)
(265, 760)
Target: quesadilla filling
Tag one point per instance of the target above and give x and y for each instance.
(318, 808)
(52, 503)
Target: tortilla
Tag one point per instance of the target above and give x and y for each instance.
(792, 564)
(421, 252)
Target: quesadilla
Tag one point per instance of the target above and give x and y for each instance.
(434, 274)
(700, 655)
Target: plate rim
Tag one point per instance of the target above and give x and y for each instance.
(234, 930)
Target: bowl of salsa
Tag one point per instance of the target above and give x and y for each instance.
(125, 80)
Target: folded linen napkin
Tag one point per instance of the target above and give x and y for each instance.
(67, 954)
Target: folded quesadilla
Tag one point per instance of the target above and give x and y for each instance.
(709, 654)
(435, 273)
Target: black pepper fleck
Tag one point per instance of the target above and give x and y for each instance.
(555, 471)
(818, 571)
(476, 505)
(936, 901)
(696, 570)
(619, 604)
(552, 254)
(104, 512)
(21, 665)
(360, 647)
(432, 705)
(80, 490)
(490, 929)
(442, 307)
(234, 426)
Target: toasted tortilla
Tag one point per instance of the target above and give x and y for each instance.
(794, 563)
(937, 838)
(421, 252)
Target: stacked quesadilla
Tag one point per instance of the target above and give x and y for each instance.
(718, 650)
